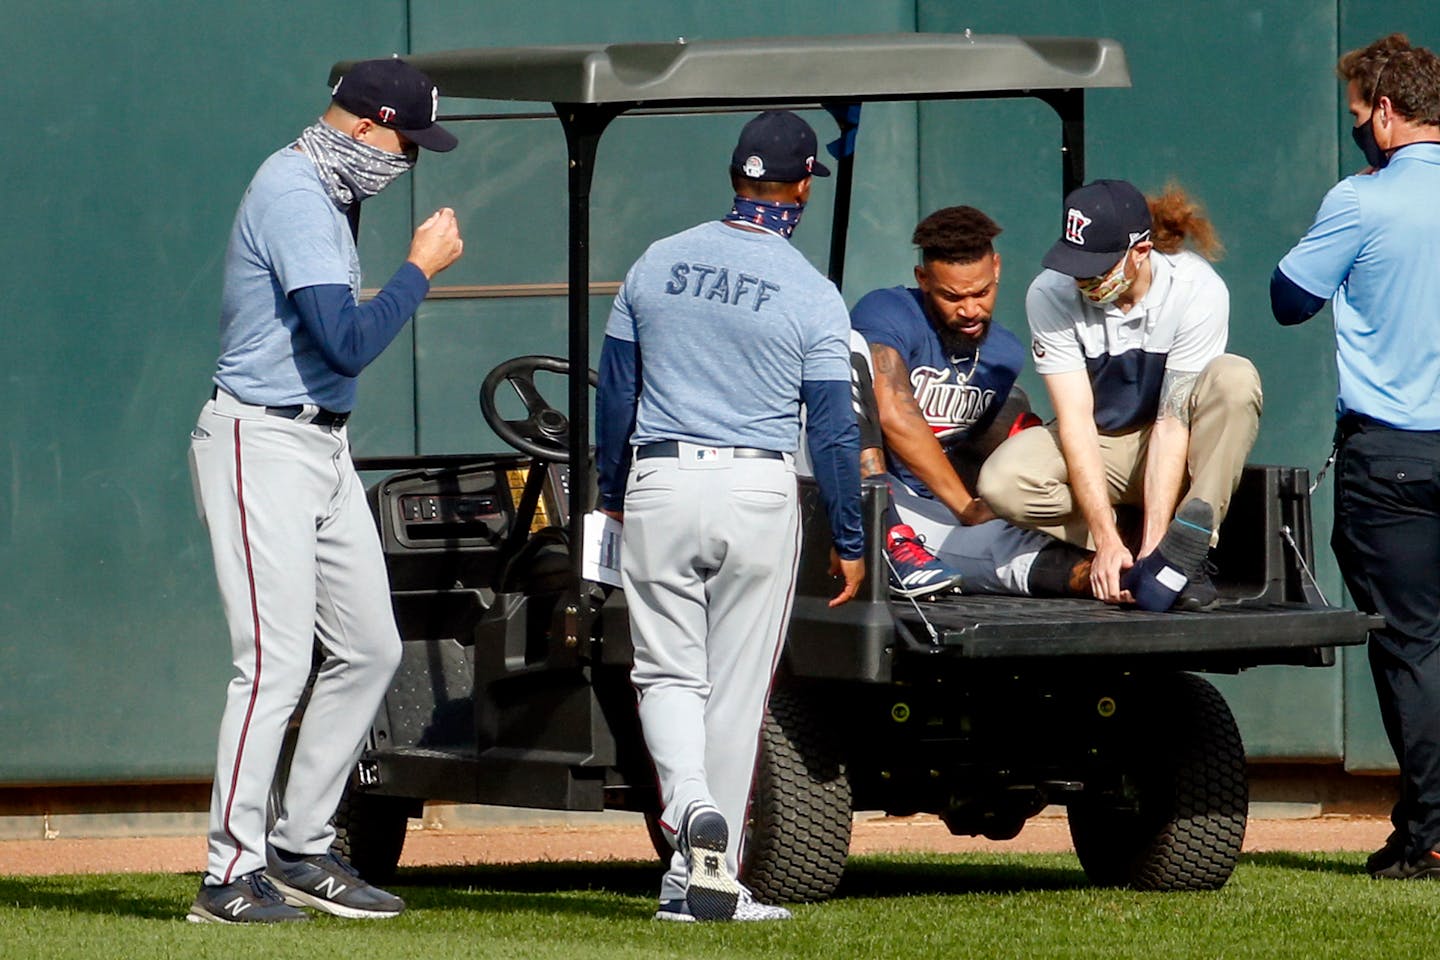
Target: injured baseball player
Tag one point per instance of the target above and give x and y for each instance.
(944, 396)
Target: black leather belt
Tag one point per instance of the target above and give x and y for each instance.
(671, 448)
(322, 418)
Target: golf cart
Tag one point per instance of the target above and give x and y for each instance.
(513, 687)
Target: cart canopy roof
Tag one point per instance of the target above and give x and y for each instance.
(776, 69)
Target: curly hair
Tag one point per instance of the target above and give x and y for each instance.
(955, 235)
(1176, 219)
(1362, 67)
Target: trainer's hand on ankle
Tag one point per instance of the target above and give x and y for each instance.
(1111, 560)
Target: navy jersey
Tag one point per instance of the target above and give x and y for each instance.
(958, 395)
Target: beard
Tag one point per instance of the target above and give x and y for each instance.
(958, 344)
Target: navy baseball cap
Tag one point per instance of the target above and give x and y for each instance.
(777, 145)
(395, 95)
(1103, 219)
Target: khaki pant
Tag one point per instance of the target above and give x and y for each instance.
(1027, 482)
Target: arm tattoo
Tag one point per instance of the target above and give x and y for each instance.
(897, 379)
(1175, 391)
(871, 462)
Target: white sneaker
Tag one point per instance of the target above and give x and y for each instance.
(748, 908)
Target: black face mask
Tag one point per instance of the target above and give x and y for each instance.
(1364, 136)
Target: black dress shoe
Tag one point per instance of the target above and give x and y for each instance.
(1387, 856)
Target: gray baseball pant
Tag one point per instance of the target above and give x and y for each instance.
(297, 557)
(708, 562)
(991, 557)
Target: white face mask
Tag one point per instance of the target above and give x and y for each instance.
(1108, 287)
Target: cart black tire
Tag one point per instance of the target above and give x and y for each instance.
(1186, 825)
(798, 835)
(370, 832)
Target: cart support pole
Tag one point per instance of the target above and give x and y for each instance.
(583, 123)
(847, 116)
(1070, 105)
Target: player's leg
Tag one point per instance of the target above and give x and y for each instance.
(355, 623)
(258, 499)
(958, 550)
(1061, 569)
(665, 594)
(912, 567)
(1224, 421)
(361, 649)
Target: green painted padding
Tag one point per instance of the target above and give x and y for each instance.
(142, 132)
(114, 654)
(654, 175)
(1265, 702)
(439, 25)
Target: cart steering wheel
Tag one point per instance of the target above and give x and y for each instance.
(545, 432)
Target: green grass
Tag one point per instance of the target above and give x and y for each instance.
(1031, 906)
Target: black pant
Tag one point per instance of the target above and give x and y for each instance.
(1387, 542)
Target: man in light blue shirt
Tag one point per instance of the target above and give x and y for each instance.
(296, 553)
(1374, 251)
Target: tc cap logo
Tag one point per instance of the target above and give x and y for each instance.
(754, 167)
(1075, 224)
(387, 114)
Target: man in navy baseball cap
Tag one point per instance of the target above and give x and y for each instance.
(395, 95)
(1128, 332)
(777, 146)
(1103, 220)
(293, 342)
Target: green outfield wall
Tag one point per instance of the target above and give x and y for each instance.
(136, 125)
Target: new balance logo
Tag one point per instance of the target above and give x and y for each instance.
(237, 906)
(330, 887)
